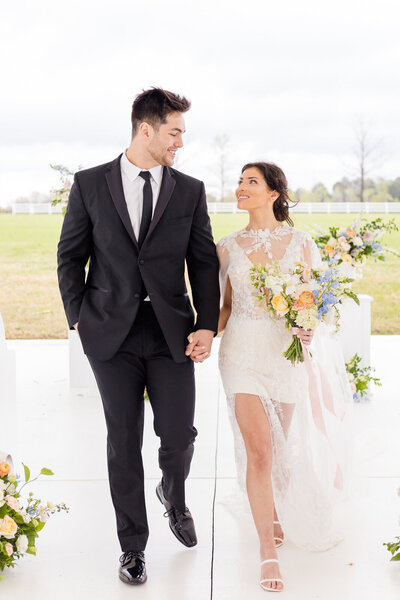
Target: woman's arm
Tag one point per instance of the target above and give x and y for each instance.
(226, 307)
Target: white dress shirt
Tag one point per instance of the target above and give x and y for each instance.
(133, 186)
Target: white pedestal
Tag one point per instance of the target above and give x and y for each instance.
(355, 329)
(8, 396)
(80, 372)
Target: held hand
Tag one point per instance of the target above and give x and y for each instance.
(75, 326)
(305, 335)
(199, 347)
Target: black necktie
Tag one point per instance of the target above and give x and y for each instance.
(147, 207)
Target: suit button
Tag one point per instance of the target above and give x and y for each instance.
(141, 261)
(137, 295)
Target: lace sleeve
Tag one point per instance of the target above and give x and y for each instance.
(311, 254)
(223, 257)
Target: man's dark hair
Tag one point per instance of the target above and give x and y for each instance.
(154, 105)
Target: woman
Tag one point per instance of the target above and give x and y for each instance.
(283, 431)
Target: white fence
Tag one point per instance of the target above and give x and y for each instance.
(319, 207)
(231, 207)
(35, 208)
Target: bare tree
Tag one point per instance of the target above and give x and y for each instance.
(368, 153)
(223, 146)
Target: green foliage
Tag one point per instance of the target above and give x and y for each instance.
(45, 471)
(360, 377)
(394, 548)
(27, 472)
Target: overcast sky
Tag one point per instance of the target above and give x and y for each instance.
(286, 81)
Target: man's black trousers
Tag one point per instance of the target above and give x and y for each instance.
(143, 361)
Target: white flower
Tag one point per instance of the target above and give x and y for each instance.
(3, 485)
(332, 241)
(43, 514)
(353, 387)
(308, 319)
(2, 497)
(24, 515)
(345, 246)
(331, 318)
(11, 489)
(350, 376)
(290, 289)
(22, 544)
(357, 241)
(324, 267)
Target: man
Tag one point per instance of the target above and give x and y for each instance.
(137, 221)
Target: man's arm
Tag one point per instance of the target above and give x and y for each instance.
(73, 253)
(203, 269)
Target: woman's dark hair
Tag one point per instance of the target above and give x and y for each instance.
(154, 105)
(276, 180)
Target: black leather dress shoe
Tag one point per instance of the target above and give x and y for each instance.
(180, 522)
(133, 568)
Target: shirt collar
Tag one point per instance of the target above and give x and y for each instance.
(132, 171)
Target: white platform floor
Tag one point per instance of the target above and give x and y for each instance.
(78, 553)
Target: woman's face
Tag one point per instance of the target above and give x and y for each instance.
(253, 191)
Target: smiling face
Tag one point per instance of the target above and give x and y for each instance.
(253, 191)
(163, 143)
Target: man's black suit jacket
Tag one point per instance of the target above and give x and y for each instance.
(97, 228)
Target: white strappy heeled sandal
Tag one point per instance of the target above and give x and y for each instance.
(278, 540)
(264, 587)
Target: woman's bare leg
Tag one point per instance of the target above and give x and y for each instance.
(285, 417)
(254, 426)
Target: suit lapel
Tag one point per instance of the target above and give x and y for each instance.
(167, 187)
(114, 182)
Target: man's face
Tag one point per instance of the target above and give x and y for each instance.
(165, 141)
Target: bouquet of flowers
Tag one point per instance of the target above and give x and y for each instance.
(354, 245)
(302, 296)
(19, 526)
(359, 378)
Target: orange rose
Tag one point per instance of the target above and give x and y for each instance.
(4, 469)
(350, 232)
(329, 250)
(306, 299)
(280, 305)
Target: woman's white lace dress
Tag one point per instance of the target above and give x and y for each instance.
(306, 459)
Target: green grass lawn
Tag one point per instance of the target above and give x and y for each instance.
(31, 306)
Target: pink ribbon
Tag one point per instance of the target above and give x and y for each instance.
(316, 408)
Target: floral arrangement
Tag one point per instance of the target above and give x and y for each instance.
(394, 547)
(359, 378)
(352, 246)
(61, 195)
(19, 526)
(302, 296)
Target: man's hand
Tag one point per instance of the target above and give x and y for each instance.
(199, 346)
(75, 326)
(305, 335)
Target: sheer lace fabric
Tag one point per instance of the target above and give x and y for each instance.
(305, 461)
